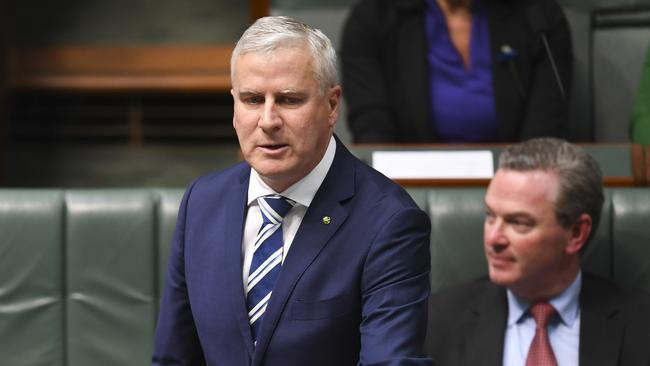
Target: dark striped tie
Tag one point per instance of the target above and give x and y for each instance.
(267, 258)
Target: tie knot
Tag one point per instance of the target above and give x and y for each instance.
(274, 208)
(542, 312)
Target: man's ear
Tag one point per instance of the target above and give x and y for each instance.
(234, 99)
(334, 100)
(579, 234)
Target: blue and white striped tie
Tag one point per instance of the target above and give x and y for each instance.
(267, 258)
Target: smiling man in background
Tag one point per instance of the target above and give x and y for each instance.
(539, 308)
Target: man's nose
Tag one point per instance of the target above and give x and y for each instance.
(269, 117)
(494, 236)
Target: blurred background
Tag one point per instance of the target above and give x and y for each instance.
(99, 93)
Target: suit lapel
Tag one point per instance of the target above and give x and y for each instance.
(312, 236)
(234, 228)
(484, 328)
(601, 324)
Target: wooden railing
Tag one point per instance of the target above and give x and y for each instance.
(100, 70)
(623, 165)
(120, 69)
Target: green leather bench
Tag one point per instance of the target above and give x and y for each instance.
(81, 270)
(80, 274)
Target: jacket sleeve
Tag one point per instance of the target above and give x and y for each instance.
(176, 341)
(395, 292)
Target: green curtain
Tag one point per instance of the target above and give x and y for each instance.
(640, 129)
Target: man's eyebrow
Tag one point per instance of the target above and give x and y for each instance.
(486, 204)
(515, 214)
(291, 92)
(519, 215)
(248, 92)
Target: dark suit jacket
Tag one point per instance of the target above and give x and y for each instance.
(385, 70)
(354, 290)
(467, 325)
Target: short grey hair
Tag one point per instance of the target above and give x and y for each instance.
(268, 34)
(580, 177)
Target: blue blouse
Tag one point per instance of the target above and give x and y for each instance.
(462, 100)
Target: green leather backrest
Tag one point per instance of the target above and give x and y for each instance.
(31, 278)
(456, 235)
(110, 273)
(631, 236)
(167, 210)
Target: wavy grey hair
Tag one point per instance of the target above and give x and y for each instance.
(270, 33)
(580, 177)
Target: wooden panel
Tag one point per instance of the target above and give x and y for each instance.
(636, 174)
(116, 69)
(647, 165)
(639, 165)
(259, 8)
(5, 23)
(3, 131)
(87, 69)
(413, 183)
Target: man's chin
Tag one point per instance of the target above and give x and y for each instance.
(277, 176)
(501, 277)
(274, 170)
(270, 168)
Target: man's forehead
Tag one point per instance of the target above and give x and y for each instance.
(286, 73)
(281, 91)
(516, 177)
(273, 53)
(522, 186)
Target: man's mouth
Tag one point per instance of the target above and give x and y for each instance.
(500, 259)
(273, 147)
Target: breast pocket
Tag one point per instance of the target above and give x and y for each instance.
(323, 309)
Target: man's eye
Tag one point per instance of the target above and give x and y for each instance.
(521, 225)
(254, 100)
(290, 100)
(489, 216)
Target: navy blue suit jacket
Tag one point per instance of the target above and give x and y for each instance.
(353, 291)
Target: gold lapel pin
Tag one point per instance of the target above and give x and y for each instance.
(327, 220)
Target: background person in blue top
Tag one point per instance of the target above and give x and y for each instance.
(456, 70)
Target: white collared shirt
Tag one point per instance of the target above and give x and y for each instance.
(564, 335)
(302, 192)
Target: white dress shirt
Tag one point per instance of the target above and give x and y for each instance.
(302, 192)
(564, 334)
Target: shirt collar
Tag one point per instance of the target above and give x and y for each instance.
(566, 304)
(304, 190)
